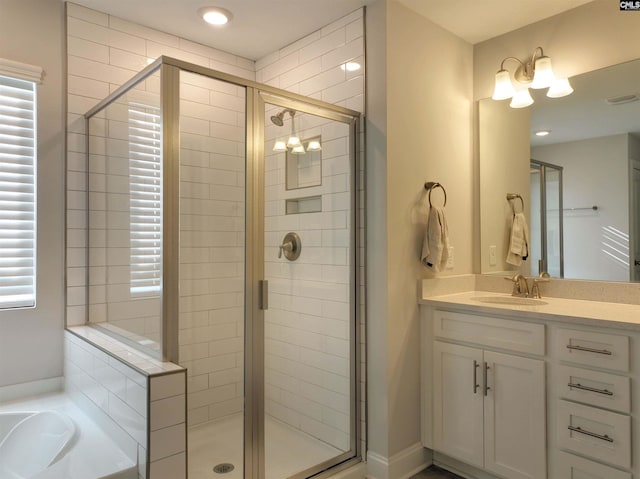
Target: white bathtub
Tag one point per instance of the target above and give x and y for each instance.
(50, 438)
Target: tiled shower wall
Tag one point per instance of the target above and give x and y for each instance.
(103, 53)
(307, 324)
(212, 159)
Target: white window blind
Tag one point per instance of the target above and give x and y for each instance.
(17, 192)
(145, 189)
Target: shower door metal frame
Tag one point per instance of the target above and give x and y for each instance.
(543, 215)
(256, 93)
(352, 119)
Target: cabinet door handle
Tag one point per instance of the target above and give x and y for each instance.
(486, 386)
(590, 350)
(589, 433)
(606, 392)
(476, 365)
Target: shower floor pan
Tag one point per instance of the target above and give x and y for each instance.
(288, 450)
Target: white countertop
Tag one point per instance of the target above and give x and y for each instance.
(594, 313)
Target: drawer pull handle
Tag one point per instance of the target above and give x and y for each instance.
(590, 350)
(589, 433)
(476, 365)
(606, 392)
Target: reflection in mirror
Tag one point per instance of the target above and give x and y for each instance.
(304, 167)
(582, 178)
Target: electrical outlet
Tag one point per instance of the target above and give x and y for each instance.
(492, 255)
(450, 262)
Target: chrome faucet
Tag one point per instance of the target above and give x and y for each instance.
(520, 286)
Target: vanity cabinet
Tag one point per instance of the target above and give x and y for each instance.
(526, 394)
(489, 406)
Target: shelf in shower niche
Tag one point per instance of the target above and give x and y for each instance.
(308, 204)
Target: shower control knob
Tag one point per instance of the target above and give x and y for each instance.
(290, 247)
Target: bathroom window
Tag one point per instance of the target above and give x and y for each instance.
(17, 191)
(145, 198)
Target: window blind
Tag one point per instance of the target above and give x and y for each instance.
(17, 192)
(145, 189)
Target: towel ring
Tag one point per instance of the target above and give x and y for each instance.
(513, 196)
(430, 185)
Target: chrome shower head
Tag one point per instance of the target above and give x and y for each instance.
(278, 119)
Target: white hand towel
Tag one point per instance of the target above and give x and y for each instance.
(435, 247)
(519, 242)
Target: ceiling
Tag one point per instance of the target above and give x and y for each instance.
(476, 21)
(260, 27)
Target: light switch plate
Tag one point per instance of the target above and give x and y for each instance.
(450, 262)
(492, 255)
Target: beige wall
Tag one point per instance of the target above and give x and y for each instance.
(31, 339)
(504, 168)
(586, 38)
(428, 124)
(590, 37)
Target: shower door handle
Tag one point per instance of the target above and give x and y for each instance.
(263, 287)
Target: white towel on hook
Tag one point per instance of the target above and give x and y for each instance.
(519, 240)
(435, 247)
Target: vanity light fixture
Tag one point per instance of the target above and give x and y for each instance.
(536, 73)
(215, 15)
(293, 144)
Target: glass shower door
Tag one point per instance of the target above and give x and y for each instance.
(546, 219)
(309, 258)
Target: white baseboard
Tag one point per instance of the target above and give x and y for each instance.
(401, 465)
(30, 389)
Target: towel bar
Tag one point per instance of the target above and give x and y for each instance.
(430, 185)
(513, 196)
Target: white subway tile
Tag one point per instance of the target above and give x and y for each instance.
(87, 14)
(79, 47)
(355, 29)
(157, 36)
(167, 412)
(342, 22)
(324, 45)
(299, 44)
(173, 467)
(166, 386)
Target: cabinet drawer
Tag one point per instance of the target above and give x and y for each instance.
(595, 433)
(498, 333)
(574, 467)
(596, 388)
(602, 350)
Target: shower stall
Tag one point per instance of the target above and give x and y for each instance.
(223, 236)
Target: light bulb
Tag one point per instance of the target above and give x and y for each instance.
(560, 88)
(293, 141)
(280, 146)
(298, 149)
(314, 145)
(504, 88)
(521, 99)
(543, 76)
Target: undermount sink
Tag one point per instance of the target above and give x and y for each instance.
(513, 300)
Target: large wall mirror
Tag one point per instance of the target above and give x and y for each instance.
(580, 183)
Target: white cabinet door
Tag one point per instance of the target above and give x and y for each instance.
(457, 402)
(514, 414)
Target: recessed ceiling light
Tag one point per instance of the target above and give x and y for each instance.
(543, 132)
(350, 66)
(215, 15)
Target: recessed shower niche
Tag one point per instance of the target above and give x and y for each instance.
(187, 213)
